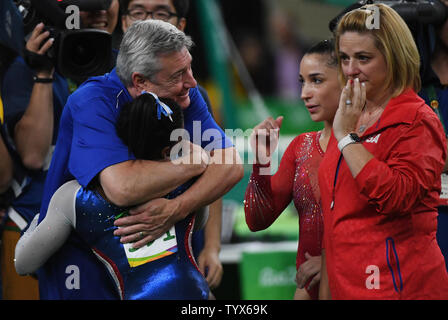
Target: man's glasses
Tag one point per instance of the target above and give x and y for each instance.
(140, 14)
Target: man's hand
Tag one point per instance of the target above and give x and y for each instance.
(35, 50)
(191, 154)
(308, 269)
(148, 222)
(135, 182)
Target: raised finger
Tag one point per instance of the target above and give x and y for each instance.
(138, 209)
(144, 241)
(262, 124)
(210, 275)
(349, 94)
(46, 46)
(300, 279)
(37, 30)
(213, 279)
(267, 125)
(350, 83)
(201, 265)
(274, 124)
(300, 283)
(130, 230)
(343, 98)
(279, 121)
(135, 238)
(357, 103)
(261, 132)
(128, 220)
(37, 41)
(363, 94)
(314, 281)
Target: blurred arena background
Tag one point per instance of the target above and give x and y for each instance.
(247, 56)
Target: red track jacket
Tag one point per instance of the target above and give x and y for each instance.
(380, 232)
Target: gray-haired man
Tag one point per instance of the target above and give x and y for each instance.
(154, 57)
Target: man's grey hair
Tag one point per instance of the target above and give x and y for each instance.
(142, 45)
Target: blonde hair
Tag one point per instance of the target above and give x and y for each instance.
(393, 39)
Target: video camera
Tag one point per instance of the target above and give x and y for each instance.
(76, 54)
(412, 11)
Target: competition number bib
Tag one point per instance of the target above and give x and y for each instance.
(162, 247)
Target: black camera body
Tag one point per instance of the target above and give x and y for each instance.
(76, 53)
(423, 12)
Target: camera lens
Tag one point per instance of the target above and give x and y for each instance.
(83, 54)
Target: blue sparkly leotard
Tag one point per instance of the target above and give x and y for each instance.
(163, 269)
(174, 276)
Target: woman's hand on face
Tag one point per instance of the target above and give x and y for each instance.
(264, 139)
(351, 104)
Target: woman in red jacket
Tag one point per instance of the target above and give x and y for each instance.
(380, 177)
(296, 179)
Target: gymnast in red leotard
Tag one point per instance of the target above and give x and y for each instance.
(296, 179)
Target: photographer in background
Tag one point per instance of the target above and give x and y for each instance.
(101, 19)
(6, 166)
(6, 172)
(34, 95)
(33, 99)
(7, 55)
(432, 42)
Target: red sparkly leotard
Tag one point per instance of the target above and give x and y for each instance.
(296, 179)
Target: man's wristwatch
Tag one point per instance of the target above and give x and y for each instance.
(348, 139)
(36, 79)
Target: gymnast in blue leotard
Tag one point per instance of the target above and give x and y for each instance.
(162, 269)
